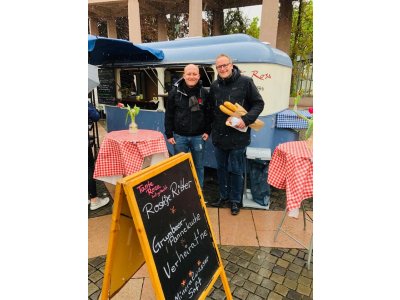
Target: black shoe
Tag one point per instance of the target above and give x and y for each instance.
(219, 202)
(234, 208)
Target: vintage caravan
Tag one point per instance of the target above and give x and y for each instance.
(147, 72)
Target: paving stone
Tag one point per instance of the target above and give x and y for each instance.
(300, 262)
(262, 292)
(294, 251)
(270, 258)
(305, 281)
(282, 263)
(277, 252)
(253, 267)
(288, 257)
(279, 270)
(250, 250)
(258, 259)
(96, 261)
(293, 295)
(224, 254)
(243, 273)
(229, 275)
(243, 263)
(237, 280)
(226, 248)
(102, 267)
(241, 293)
(250, 286)
(246, 256)
(253, 297)
(95, 295)
(268, 265)
(266, 249)
(295, 268)
(268, 283)
(91, 269)
(92, 288)
(218, 295)
(280, 289)
(264, 272)
(95, 276)
(302, 289)
(307, 273)
(277, 278)
(274, 296)
(255, 278)
(291, 284)
(291, 275)
(233, 258)
(99, 283)
(236, 251)
(232, 268)
(218, 283)
(301, 254)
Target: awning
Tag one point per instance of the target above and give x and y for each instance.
(105, 50)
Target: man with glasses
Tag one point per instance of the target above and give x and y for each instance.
(188, 117)
(230, 142)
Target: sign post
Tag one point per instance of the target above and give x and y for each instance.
(160, 218)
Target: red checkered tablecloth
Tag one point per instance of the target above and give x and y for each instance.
(291, 168)
(123, 153)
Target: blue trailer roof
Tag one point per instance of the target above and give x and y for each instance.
(105, 50)
(241, 47)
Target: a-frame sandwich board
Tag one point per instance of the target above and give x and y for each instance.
(160, 218)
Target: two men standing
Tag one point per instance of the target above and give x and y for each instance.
(190, 112)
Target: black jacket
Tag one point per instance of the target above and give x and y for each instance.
(236, 89)
(188, 111)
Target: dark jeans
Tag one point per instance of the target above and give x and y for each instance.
(195, 145)
(92, 183)
(230, 183)
(258, 172)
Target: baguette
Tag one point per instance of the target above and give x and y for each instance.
(230, 105)
(226, 110)
(258, 123)
(236, 110)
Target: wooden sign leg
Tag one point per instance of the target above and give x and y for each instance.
(124, 255)
(225, 284)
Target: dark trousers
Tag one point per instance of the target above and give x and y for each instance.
(230, 183)
(92, 183)
(260, 189)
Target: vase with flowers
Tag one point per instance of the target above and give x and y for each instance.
(310, 121)
(132, 112)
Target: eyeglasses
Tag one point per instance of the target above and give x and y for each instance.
(222, 66)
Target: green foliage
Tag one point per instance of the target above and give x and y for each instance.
(301, 40)
(253, 29)
(177, 26)
(235, 22)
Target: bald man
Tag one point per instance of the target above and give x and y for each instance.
(188, 117)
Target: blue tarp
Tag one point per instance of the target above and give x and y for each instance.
(105, 50)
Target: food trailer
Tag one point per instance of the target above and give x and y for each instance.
(142, 75)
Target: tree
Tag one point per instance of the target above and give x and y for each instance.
(253, 29)
(235, 22)
(177, 26)
(148, 26)
(301, 40)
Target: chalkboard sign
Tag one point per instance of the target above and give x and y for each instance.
(106, 89)
(178, 233)
(172, 225)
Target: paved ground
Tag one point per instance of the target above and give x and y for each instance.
(253, 272)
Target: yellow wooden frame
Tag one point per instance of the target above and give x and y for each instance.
(128, 249)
